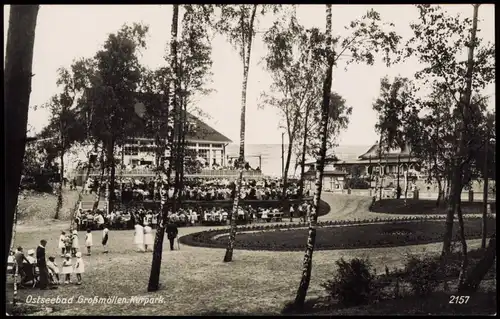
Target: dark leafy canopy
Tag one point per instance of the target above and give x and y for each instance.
(296, 73)
(339, 113)
(367, 38)
(234, 23)
(113, 95)
(440, 42)
(393, 107)
(439, 39)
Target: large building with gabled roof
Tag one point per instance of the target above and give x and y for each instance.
(209, 145)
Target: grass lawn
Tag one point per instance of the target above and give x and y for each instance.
(194, 280)
(42, 206)
(346, 237)
(424, 206)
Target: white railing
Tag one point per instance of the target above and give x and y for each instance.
(151, 172)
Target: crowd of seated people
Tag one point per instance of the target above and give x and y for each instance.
(185, 216)
(230, 166)
(207, 190)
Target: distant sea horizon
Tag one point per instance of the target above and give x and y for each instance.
(271, 156)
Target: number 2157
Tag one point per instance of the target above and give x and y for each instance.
(459, 300)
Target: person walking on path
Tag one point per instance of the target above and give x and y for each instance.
(42, 265)
(172, 232)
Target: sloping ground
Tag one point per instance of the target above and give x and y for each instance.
(424, 206)
(88, 202)
(345, 206)
(34, 206)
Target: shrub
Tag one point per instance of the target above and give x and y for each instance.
(356, 183)
(353, 282)
(422, 275)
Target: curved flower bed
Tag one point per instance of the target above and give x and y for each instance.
(368, 233)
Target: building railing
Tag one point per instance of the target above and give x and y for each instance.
(151, 172)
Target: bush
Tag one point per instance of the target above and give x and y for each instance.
(422, 275)
(353, 282)
(356, 183)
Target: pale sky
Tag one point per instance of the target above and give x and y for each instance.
(68, 32)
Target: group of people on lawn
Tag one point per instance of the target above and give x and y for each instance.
(38, 271)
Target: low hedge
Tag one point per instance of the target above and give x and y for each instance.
(381, 233)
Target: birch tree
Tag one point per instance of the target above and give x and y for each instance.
(438, 42)
(296, 79)
(366, 38)
(166, 145)
(238, 23)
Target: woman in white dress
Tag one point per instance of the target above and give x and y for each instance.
(139, 237)
(148, 237)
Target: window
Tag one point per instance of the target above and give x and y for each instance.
(205, 145)
(217, 156)
(217, 145)
(131, 150)
(203, 154)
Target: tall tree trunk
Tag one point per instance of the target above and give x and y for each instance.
(398, 192)
(476, 275)
(463, 242)
(407, 177)
(182, 151)
(380, 181)
(303, 155)
(448, 188)
(440, 191)
(485, 193)
(17, 88)
(179, 149)
(60, 190)
(286, 203)
(154, 277)
(323, 129)
(455, 192)
(462, 146)
(100, 183)
(246, 51)
(112, 175)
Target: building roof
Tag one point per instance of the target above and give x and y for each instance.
(329, 170)
(205, 132)
(373, 152)
(200, 131)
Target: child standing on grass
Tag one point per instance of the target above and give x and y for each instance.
(79, 268)
(67, 268)
(67, 243)
(88, 241)
(75, 243)
(62, 243)
(53, 268)
(105, 232)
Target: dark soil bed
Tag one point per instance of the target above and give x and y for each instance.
(346, 237)
(423, 206)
